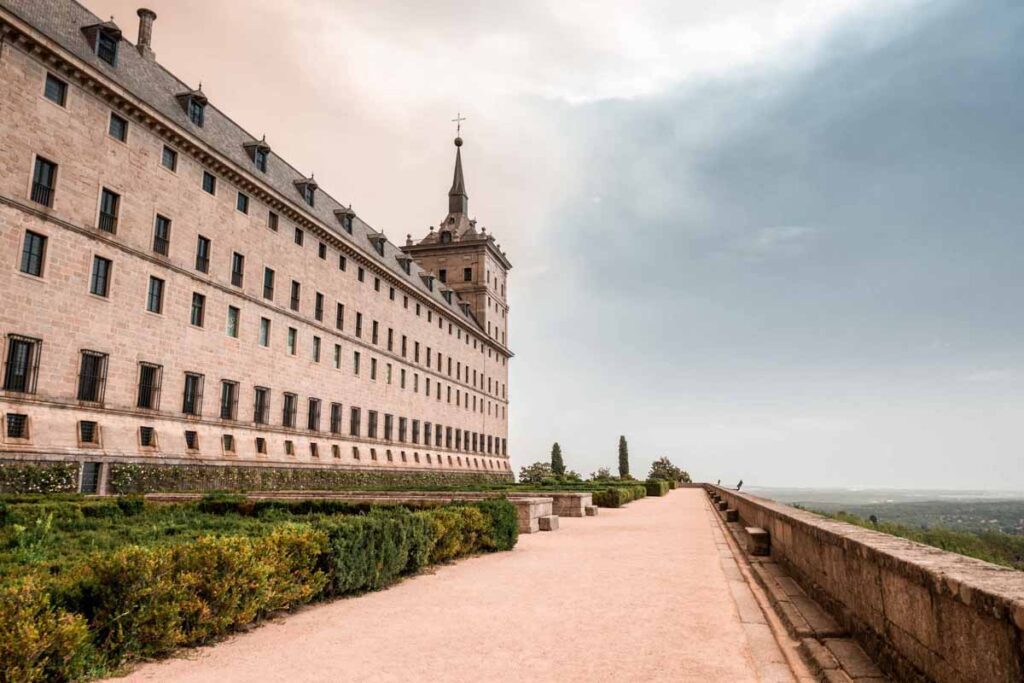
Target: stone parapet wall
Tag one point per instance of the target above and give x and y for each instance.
(924, 614)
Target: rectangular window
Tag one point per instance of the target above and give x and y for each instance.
(314, 450)
(339, 317)
(391, 339)
(415, 431)
(56, 90)
(354, 420)
(92, 376)
(191, 440)
(264, 332)
(162, 235)
(99, 283)
(296, 289)
(288, 412)
(268, 284)
(22, 367)
(196, 111)
(359, 325)
(192, 396)
(335, 418)
(242, 203)
(316, 349)
(272, 221)
(355, 362)
(33, 253)
(341, 262)
(155, 296)
(147, 437)
(209, 183)
(234, 314)
(228, 441)
(318, 309)
(337, 356)
(203, 254)
(198, 309)
(237, 269)
(360, 274)
(442, 275)
(228, 400)
(426, 433)
(322, 251)
(261, 445)
(313, 415)
(289, 447)
(371, 425)
(403, 424)
(44, 181)
(309, 194)
(149, 386)
(292, 340)
(110, 205)
(261, 405)
(299, 236)
(373, 368)
(106, 48)
(169, 159)
(260, 158)
(374, 333)
(467, 274)
(118, 128)
(388, 424)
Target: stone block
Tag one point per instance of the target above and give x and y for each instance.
(732, 515)
(548, 523)
(722, 505)
(758, 541)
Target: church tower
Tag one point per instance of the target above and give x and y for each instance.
(467, 260)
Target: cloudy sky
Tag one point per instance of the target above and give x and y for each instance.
(776, 240)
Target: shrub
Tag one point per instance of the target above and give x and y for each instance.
(656, 487)
(536, 473)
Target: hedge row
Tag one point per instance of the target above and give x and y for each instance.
(137, 602)
(617, 496)
(657, 487)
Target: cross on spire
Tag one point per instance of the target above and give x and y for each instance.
(459, 118)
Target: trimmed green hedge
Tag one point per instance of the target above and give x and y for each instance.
(136, 602)
(657, 487)
(617, 496)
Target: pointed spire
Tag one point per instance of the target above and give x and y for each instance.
(458, 201)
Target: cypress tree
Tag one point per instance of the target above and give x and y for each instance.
(557, 465)
(623, 458)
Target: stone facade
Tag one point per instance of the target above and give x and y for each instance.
(373, 330)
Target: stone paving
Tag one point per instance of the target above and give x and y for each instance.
(650, 592)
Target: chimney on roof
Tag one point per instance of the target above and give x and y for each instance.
(145, 41)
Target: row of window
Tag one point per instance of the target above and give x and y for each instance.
(34, 255)
(22, 370)
(17, 428)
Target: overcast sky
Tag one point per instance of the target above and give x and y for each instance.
(776, 240)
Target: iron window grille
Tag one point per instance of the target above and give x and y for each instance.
(354, 420)
(149, 386)
(106, 47)
(203, 254)
(33, 253)
(118, 128)
(55, 90)
(371, 427)
(237, 269)
(268, 283)
(298, 236)
(147, 437)
(336, 418)
(288, 416)
(296, 288)
(196, 112)
(318, 311)
(44, 180)
(110, 203)
(17, 426)
(88, 432)
(261, 406)
(99, 284)
(388, 424)
(198, 309)
(155, 296)
(169, 159)
(162, 235)
(92, 376)
(22, 367)
(313, 416)
(192, 397)
(228, 400)
(209, 183)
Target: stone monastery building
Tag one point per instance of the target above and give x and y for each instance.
(184, 310)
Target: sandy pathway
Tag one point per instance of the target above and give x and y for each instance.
(636, 594)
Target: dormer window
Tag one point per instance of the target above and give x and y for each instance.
(378, 242)
(104, 39)
(404, 260)
(194, 104)
(307, 188)
(428, 280)
(447, 295)
(345, 217)
(446, 237)
(259, 152)
(261, 159)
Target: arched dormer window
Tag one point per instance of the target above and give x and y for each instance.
(446, 237)
(104, 39)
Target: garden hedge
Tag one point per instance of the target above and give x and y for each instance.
(137, 602)
(657, 487)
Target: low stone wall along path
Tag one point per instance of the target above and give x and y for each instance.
(648, 592)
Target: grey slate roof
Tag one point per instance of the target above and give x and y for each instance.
(62, 21)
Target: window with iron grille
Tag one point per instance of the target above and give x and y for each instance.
(290, 405)
(261, 405)
(228, 400)
(17, 426)
(99, 283)
(264, 332)
(371, 427)
(209, 183)
(318, 309)
(359, 325)
(354, 420)
(155, 295)
(169, 159)
(147, 437)
(388, 423)
(292, 340)
(33, 253)
(150, 376)
(309, 194)
(162, 235)
(21, 369)
(55, 90)
(196, 111)
(296, 289)
(106, 47)
(402, 427)
(118, 128)
(415, 431)
(203, 254)
(44, 181)
(110, 204)
(268, 283)
(237, 269)
(272, 220)
(339, 317)
(192, 397)
(260, 158)
(447, 437)
(228, 440)
(335, 418)
(88, 432)
(313, 415)
(426, 433)
(90, 477)
(242, 203)
(198, 309)
(191, 440)
(316, 349)
(337, 356)
(92, 376)
(234, 314)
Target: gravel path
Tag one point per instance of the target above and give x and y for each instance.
(643, 593)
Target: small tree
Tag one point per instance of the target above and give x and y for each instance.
(623, 458)
(662, 468)
(602, 474)
(557, 466)
(535, 473)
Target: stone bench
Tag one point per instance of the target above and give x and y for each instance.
(759, 542)
(732, 515)
(565, 503)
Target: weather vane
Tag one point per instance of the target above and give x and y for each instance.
(459, 118)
